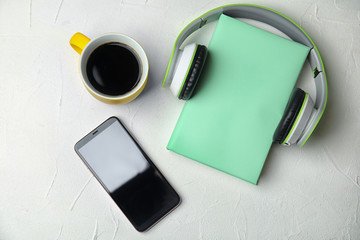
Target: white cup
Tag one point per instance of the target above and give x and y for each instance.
(84, 46)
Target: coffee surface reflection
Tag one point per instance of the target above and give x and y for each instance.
(113, 68)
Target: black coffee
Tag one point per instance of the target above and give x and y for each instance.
(113, 68)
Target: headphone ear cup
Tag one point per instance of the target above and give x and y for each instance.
(183, 63)
(194, 72)
(291, 112)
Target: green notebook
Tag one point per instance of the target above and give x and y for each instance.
(247, 80)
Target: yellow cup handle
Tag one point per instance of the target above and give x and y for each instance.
(78, 42)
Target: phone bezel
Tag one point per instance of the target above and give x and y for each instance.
(164, 211)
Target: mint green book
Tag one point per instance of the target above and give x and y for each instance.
(245, 85)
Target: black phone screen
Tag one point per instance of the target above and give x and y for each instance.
(127, 174)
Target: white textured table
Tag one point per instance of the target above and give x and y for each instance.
(48, 193)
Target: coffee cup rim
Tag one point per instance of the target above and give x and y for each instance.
(113, 37)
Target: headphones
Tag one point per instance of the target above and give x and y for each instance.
(301, 114)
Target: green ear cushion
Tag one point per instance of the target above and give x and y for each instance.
(290, 114)
(194, 72)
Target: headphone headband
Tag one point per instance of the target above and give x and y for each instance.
(280, 22)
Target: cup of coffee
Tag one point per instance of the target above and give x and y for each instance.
(114, 67)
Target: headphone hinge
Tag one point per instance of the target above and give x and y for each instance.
(316, 72)
(203, 22)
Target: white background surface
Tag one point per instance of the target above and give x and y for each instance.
(48, 193)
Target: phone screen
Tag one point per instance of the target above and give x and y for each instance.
(127, 174)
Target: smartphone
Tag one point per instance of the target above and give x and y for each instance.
(127, 174)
